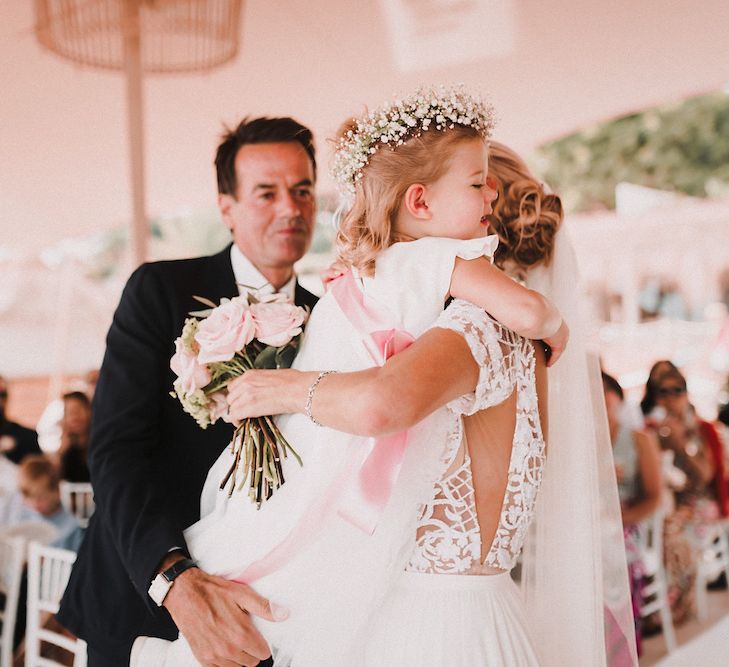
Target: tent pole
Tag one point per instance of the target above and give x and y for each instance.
(133, 76)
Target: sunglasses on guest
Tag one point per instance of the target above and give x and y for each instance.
(664, 392)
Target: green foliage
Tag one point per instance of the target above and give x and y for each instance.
(681, 147)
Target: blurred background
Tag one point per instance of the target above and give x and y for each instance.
(622, 108)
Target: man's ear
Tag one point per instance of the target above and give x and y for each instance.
(416, 203)
(225, 203)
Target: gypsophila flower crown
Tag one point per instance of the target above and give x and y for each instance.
(391, 125)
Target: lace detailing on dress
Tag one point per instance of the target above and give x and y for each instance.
(495, 348)
(525, 470)
(450, 539)
(448, 535)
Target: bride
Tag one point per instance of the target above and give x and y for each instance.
(396, 549)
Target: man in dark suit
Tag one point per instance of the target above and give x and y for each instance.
(16, 441)
(149, 459)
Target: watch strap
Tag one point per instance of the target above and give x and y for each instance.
(177, 568)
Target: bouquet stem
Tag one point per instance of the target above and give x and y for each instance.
(257, 447)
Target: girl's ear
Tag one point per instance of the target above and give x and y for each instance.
(416, 203)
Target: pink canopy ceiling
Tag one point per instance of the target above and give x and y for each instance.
(549, 67)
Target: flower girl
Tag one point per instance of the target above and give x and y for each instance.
(394, 545)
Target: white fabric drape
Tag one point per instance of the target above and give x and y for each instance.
(575, 571)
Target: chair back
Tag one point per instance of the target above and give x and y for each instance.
(712, 561)
(650, 543)
(78, 499)
(48, 571)
(12, 556)
(655, 588)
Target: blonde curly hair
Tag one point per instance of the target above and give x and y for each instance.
(368, 226)
(525, 216)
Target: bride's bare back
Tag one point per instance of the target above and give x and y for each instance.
(477, 520)
(489, 440)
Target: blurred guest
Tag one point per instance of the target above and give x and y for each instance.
(75, 433)
(11, 502)
(637, 459)
(49, 424)
(701, 494)
(697, 448)
(16, 441)
(39, 484)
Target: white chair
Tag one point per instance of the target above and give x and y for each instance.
(712, 560)
(655, 591)
(78, 499)
(12, 556)
(48, 572)
(31, 531)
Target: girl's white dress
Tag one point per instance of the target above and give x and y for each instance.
(414, 592)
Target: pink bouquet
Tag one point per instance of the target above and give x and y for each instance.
(218, 345)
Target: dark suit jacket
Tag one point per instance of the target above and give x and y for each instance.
(148, 459)
(26, 441)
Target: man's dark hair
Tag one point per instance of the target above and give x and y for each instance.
(609, 383)
(257, 131)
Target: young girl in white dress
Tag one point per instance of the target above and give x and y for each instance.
(420, 575)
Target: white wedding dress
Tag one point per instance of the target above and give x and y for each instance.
(417, 591)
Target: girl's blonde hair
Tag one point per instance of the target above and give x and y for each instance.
(525, 217)
(368, 227)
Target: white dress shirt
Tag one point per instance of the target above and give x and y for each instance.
(249, 276)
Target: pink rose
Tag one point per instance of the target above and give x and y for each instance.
(185, 365)
(277, 323)
(228, 329)
(219, 407)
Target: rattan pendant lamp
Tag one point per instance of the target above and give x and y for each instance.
(139, 37)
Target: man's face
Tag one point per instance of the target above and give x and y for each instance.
(272, 215)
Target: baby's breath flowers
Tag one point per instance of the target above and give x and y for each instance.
(427, 109)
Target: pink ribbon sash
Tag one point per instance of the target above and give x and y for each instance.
(367, 494)
(362, 490)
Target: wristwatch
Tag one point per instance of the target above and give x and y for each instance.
(162, 583)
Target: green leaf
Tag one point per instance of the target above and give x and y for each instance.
(266, 358)
(285, 356)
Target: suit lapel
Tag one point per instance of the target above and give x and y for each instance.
(221, 281)
(303, 297)
(220, 276)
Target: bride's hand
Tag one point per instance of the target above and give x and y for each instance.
(266, 392)
(557, 343)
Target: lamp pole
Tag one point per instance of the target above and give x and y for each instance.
(133, 77)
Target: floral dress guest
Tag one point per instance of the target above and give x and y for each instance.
(702, 499)
(637, 459)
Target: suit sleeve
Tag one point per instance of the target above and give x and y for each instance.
(126, 438)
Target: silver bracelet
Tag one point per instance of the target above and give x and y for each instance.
(310, 397)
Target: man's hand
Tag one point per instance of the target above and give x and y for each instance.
(214, 615)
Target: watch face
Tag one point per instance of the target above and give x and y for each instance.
(159, 588)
